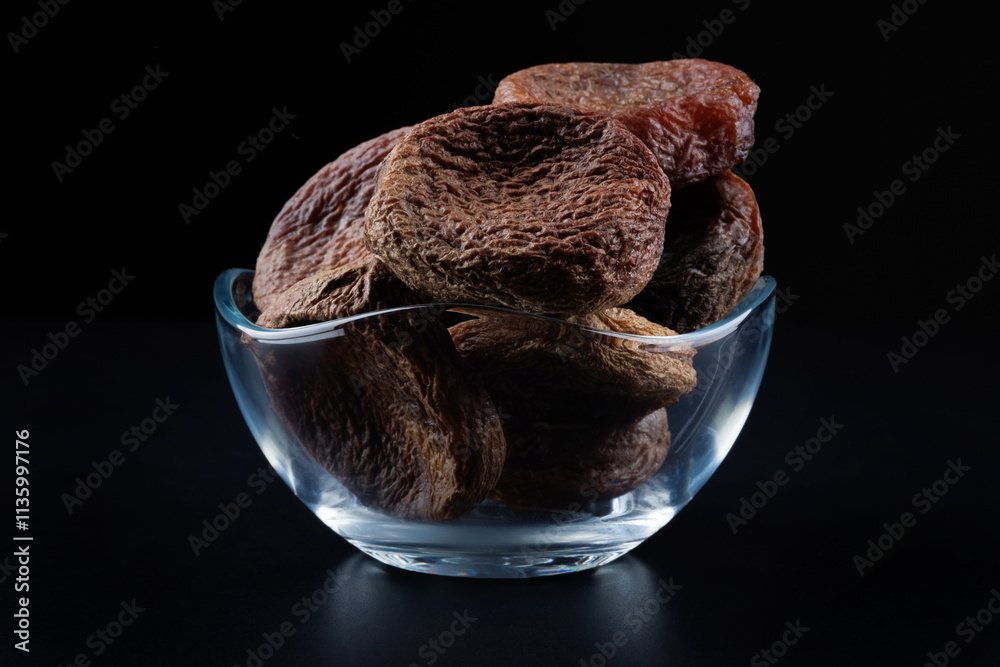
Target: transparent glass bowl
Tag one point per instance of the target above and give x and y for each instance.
(493, 539)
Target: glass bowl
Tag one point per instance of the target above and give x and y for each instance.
(490, 538)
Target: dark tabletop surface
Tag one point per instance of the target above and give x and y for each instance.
(881, 549)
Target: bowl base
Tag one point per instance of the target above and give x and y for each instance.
(513, 565)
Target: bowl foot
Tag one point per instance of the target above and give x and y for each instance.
(512, 565)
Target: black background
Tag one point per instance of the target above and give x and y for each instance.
(847, 305)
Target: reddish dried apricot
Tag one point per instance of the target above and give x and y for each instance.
(695, 115)
(541, 209)
(322, 226)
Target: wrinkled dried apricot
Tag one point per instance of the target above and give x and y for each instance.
(567, 467)
(556, 372)
(696, 115)
(541, 209)
(352, 289)
(387, 406)
(322, 226)
(712, 256)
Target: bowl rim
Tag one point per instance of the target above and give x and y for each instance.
(763, 288)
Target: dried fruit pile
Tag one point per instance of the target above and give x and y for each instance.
(596, 195)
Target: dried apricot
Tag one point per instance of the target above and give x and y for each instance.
(556, 372)
(696, 115)
(387, 405)
(712, 256)
(567, 467)
(541, 209)
(322, 226)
